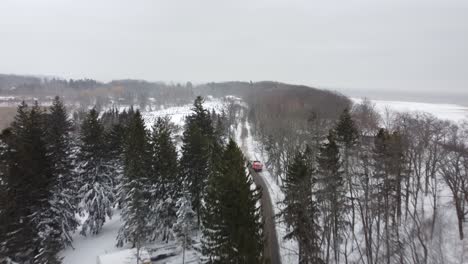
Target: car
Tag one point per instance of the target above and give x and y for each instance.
(257, 166)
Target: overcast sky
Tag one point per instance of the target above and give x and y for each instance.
(361, 44)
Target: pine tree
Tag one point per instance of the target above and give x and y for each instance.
(346, 130)
(388, 174)
(347, 137)
(31, 232)
(4, 175)
(197, 161)
(115, 146)
(96, 190)
(201, 117)
(332, 194)
(186, 224)
(165, 181)
(301, 211)
(232, 226)
(134, 189)
(165, 163)
(59, 146)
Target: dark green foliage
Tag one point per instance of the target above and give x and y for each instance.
(389, 171)
(166, 185)
(135, 184)
(198, 155)
(31, 234)
(301, 210)
(232, 227)
(96, 191)
(347, 137)
(330, 167)
(115, 140)
(332, 194)
(165, 163)
(63, 202)
(5, 165)
(346, 130)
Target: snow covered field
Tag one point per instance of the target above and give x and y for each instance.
(178, 114)
(452, 112)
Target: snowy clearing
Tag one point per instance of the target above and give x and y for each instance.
(87, 249)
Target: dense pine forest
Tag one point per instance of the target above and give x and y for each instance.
(353, 185)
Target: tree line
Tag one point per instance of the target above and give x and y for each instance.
(363, 193)
(53, 169)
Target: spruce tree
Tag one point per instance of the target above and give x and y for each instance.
(63, 201)
(165, 181)
(4, 171)
(347, 138)
(195, 165)
(134, 189)
(346, 130)
(197, 161)
(232, 225)
(31, 234)
(115, 140)
(96, 184)
(201, 117)
(185, 225)
(165, 163)
(301, 210)
(332, 194)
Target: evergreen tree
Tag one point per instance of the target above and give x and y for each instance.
(332, 195)
(347, 137)
(59, 144)
(31, 234)
(197, 161)
(165, 181)
(115, 146)
(185, 226)
(346, 130)
(388, 174)
(389, 168)
(96, 191)
(201, 117)
(301, 211)
(4, 170)
(195, 165)
(165, 163)
(233, 230)
(134, 189)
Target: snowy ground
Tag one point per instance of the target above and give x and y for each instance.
(452, 112)
(178, 114)
(87, 249)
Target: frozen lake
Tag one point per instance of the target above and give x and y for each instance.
(453, 112)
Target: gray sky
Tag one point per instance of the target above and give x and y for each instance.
(393, 45)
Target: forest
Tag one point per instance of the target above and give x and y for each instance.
(357, 186)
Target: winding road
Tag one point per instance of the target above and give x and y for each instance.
(271, 247)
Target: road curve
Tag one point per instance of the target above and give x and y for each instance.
(271, 247)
